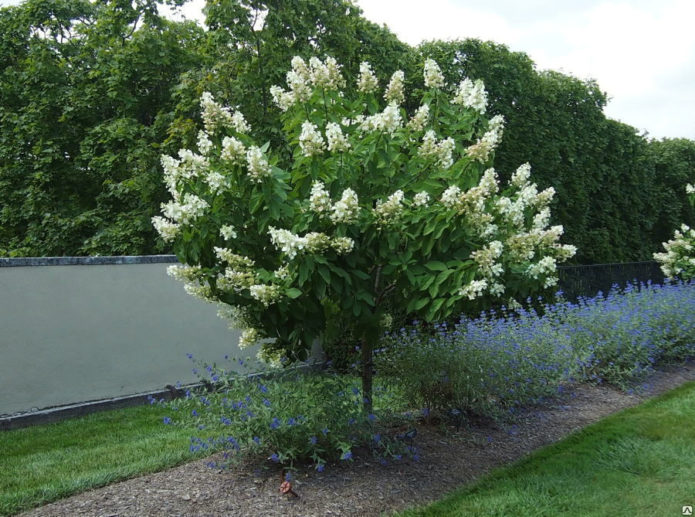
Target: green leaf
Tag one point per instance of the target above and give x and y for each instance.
(435, 265)
(293, 293)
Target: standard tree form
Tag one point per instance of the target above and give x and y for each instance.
(371, 205)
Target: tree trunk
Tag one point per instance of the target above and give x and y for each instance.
(367, 374)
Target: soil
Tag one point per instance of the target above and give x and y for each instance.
(448, 459)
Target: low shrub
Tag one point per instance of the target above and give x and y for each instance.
(286, 417)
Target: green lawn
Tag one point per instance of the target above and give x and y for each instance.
(44, 463)
(640, 462)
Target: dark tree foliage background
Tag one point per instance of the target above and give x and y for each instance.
(93, 92)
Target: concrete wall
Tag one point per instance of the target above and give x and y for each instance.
(79, 329)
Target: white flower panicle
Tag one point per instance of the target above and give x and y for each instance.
(184, 273)
(325, 75)
(677, 259)
(287, 242)
(451, 197)
(248, 338)
(342, 245)
(433, 74)
(266, 294)
(484, 146)
(298, 80)
(545, 266)
(441, 152)
(337, 141)
(319, 199)
(239, 123)
(347, 210)
(214, 116)
(204, 142)
(474, 290)
(394, 90)
(420, 118)
(390, 210)
(257, 164)
(232, 259)
(471, 95)
(489, 183)
(227, 232)
(690, 189)
(273, 358)
(317, 242)
(367, 81)
(186, 211)
(486, 258)
(233, 150)
(165, 228)
(216, 181)
(282, 99)
(541, 219)
(282, 272)
(521, 176)
(310, 140)
(388, 120)
(421, 199)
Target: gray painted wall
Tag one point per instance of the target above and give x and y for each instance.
(100, 328)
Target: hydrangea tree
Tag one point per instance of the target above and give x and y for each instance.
(679, 259)
(369, 203)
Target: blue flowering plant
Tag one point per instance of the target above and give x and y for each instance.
(367, 203)
(288, 417)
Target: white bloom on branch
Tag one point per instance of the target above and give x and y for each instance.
(317, 242)
(216, 181)
(342, 245)
(184, 212)
(388, 120)
(421, 199)
(390, 210)
(234, 260)
(544, 197)
(420, 118)
(232, 150)
(471, 95)
(286, 241)
(184, 273)
(690, 189)
(367, 81)
(325, 75)
(266, 294)
(239, 123)
(283, 99)
(484, 146)
(248, 338)
(521, 176)
(227, 232)
(545, 266)
(474, 290)
(433, 74)
(257, 164)
(441, 152)
(204, 142)
(310, 140)
(165, 228)
(214, 115)
(394, 90)
(451, 197)
(337, 141)
(346, 210)
(319, 199)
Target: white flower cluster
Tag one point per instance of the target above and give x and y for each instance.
(165, 228)
(367, 81)
(678, 260)
(690, 189)
(433, 74)
(257, 164)
(325, 75)
(389, 211)
(291, 244)
(189, 165)
(484, 146)
(337, 141)
(216, 117)
(450, 197)
(347, 210)
(441, 152)
(547, 266)
(227, 232)
(204, 142)
(216, 181)
(302, 79)
(471, 95)
(185, 211)
(185, 273)
(233, 150)
(248, 338)
(521, 176)
(486, 258)
(273, 358)
(473, 290)
(388, 120)
(319, 199)
(233, 259)
(420, 118)
(394, 93)
(310, 140)
(266, 294)
(421, 199)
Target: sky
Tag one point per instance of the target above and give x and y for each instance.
(641, 52)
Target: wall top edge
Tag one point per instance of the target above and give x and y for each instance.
(87, 261)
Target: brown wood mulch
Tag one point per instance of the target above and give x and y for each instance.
(364, 487)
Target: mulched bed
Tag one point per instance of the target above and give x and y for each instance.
(448, 459)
